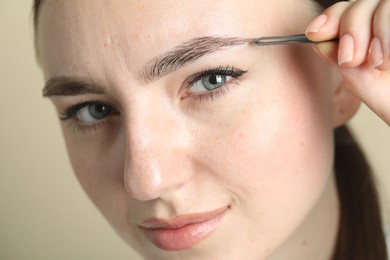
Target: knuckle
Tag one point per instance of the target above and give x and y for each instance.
(381, 19)
(352, 21)
(337, 10)
(360, 15)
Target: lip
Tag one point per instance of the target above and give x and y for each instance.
(182, 232)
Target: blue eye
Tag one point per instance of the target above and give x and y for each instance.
(213, 79)
(93, 112)
(211, 82)
(88, 112)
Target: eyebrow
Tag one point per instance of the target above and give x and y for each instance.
(67, 86)
(185, 53)
(160, 66)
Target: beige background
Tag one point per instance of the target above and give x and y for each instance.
(44, 214)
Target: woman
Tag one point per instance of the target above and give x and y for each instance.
(196, 144)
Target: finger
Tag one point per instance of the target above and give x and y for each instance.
(355, 33)
(368, 84)
(379, 53)
(328, 52)
(372, 87)
(327, 25)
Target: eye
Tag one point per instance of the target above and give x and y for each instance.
(88, 112)
(93, 112)
(211, 82)
(213, 79)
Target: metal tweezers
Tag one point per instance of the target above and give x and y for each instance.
(282, 40)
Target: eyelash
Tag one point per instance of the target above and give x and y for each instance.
(70, 113)
(72, 110)
(213, 94)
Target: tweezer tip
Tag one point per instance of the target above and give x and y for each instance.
(256, 41)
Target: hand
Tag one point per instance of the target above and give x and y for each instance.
(362, 55)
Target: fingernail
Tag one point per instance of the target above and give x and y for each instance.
(317, 23)
(346, 49)
(376, 52)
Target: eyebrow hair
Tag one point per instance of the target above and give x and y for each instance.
(67, 86)
(186, 53)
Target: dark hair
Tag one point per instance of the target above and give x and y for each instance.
(327, 3)
(360, 235)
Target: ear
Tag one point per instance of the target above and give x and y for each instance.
(345, 104)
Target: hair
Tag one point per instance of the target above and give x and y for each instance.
(360, 234)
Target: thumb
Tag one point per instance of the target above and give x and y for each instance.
(328, 52)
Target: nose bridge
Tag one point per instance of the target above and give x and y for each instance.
(154, 162)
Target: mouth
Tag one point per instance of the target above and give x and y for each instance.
(182, 232)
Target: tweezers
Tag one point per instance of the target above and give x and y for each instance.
(282, 40)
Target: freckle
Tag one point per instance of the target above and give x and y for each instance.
(304, 242)
(341, 111)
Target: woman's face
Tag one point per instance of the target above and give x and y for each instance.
(223, 150)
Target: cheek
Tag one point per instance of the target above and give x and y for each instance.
(283, 150)
(98, 165)
(282, 158)
(276, 154)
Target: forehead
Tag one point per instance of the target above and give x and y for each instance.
(91, 31)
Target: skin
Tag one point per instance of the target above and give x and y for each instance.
(264, 147)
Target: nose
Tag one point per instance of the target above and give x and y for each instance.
(156, 161)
